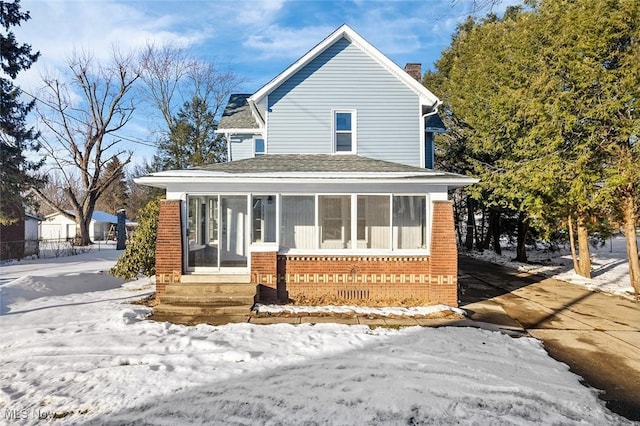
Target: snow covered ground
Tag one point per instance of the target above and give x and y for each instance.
(74, 351)
(610, 268)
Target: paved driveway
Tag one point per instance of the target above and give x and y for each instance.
(597, 335)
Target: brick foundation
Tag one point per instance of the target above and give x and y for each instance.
(264, 273)
(168, 246)
(355, 277)
(444, 255)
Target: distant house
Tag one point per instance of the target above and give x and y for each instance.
(20, 239)
(57, 226)
(330, 189)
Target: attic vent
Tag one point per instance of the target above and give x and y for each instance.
(353, 294)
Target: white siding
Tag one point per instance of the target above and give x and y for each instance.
(343, 77)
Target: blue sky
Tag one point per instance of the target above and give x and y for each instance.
(256, 39)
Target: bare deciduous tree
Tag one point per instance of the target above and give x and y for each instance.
(81, 114)
(53, 191)
(171, 78)
(164, 69)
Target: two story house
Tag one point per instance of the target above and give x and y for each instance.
(330, 189)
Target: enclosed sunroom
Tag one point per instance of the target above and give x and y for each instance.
(310, 226)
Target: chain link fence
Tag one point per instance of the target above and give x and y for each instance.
(40, 248)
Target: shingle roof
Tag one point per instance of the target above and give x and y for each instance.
(311, 163)
(237, 114)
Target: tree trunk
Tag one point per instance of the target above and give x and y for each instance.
(628, 206)
(584, 259)
(494, 226)
(480, 231)
(82, 225)
(523, 228)
(572, 243)
(471, 223)
(458, 221)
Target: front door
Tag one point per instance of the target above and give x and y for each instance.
(233, 241)
(216, 229)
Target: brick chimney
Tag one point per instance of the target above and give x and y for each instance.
(414, 70)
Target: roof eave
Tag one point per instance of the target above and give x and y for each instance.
(450, 180)
(239, 130)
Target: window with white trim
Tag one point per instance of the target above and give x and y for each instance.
(344, 131)
(258, 147)
(298, 227)
(334, 218)
(373, 222)
(264, 218)
(409, 222)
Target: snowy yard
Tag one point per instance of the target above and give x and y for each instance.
(610, 268)
(72, 347)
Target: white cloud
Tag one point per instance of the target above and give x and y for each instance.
(257, 12)
(58, 28)
(278, 42)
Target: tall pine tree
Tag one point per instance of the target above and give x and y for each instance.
(192, 140)
(15, 137)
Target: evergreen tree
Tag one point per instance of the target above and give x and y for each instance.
(139, 256)
(192, 140)
(549, 99)
(15, 136)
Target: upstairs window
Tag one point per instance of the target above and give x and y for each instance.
(258, 147)
(344, 130)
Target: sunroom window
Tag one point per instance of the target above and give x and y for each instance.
(373, 221)
(264, 218)
(335, 221)
(298, 222)
(409, 222)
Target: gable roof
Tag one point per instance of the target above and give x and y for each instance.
(426, 97)
(237, 114)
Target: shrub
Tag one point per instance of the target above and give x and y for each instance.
(139, 256)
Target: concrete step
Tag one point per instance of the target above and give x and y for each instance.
(202, 310)
(220, 299)
(201, 289)
(216, 278)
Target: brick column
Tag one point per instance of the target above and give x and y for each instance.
(168, 245)
(264, 274)
(444, 255)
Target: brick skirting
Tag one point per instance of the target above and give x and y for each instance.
(168, 246)
(351, 277)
